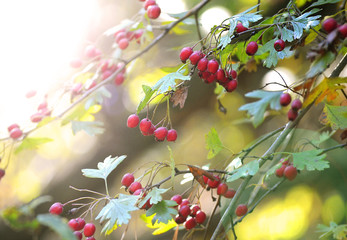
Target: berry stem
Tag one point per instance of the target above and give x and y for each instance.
(87, 190)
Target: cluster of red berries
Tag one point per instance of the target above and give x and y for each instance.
(285, 100)
(209, 69)
(330, 24)
(42, 111)
(287, 170)
(153, 10)
(124, 37)
(188, 214)
(90, 52)
(15, 131)
(222, 188)
(147, 128)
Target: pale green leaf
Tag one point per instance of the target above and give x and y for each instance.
(322, 2)
(148, 94)
(320, 64)
(56, 224)
(337, 116)
(172, 167)
(249, 169)
(154, 196)
(213, 143)
(163, 211)
(169, 82)
(311, 160)
(30, 143)
(104, 168)
(91, 128)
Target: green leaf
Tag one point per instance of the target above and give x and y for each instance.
(148, 94)
(250, 169)
(172, 167)
(56, 224)
(213, 143)
(163, 211)
(117, 211)
(287, 35)
(324, 136)
(311, 160)
(91, 128)
(322, 2)
(30, 143)
(338, 231)
(337, 116)
(160, 227)
(320, 64)
(169, 82)
(104, 168)
(97, 97)
(154, 195)
(257, 109)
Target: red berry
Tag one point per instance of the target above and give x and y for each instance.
(230, 193)
(77, 88)
(133, 121)
(190, 223)
(90, 84)
(343, 30)
(89, 229)
(222, 188)
(279, 171)
(292, 114)
(128, 179)
(193, 210)
(185, 53)
(73, 224)
(76, 63)
(36, 117)
(231, 86)
(2, 173)
(329, 25)
(119, 79)
(290, 172)
(213, 183)
(90, 238)
(195, 57)
(296, 104)
(160, 133)
(171, 135)
(56, 208)
(78, 235)
(12, 126)
(153, 11)
(184, 210)
(202, 64)
(81, 223)
(145, 125)
(240, 28)
(279, 45)
(134, 186)
(252, 48)
(200, 217)
(233, 74)
(285, 99)
(241, 210)
(149, 3)
(150, 131)
(120, 36)
(138, 34)
(123, 43)
(90, 51)
(177, 198)
(284, 162)
(220, 75)
(212, 66)
(106, 75)
(210, 79)
(180, 219)
(16, 133)
(185, 202)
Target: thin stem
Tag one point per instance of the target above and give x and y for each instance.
(106, 186)
(333, 148)
(198, 28)
(87, 190)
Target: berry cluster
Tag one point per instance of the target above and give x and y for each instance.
(209, 69)
(330, 24)
(222, 188)
(15, 131)
(285, 100)
(153, 10)
(42, 111)
(147, 128)
(124, 37)
(287, 170)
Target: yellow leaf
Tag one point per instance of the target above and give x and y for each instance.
(160, 227)
(111, 230)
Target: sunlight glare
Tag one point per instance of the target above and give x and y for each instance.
(213, 16)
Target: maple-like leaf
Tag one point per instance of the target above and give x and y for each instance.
(104, 168)
(163, 211)
(213, 143)
(249, 169)
(311, 160)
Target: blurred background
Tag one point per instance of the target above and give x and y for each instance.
(39, 39)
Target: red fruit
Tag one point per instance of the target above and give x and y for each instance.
(119, 36)
(233, 74)
(180, 219)
(284, 162)
(329, 25)
(279, 45)
(73, 224)
(343, 30)
(36, 117)
(150, 131)
(76, 63)
(213, 183)
(220, 75)
(106, 75)
(127, 179)
(202, 64)
(2, 173)
(184, 210)
(149, 3)
(200, 217)
(296, 104)
(16, 133)
(90, 238)
(212, 66)
(177, 198)
(89, 229)
(78, 235)
(171, 135)
(56, 208)
(210, 78)
(195, 57)
(285, 99)
(77, 88)
(138, 34)
(205, 179)
(160, 133)
(222, 188)
(12, 126)
(153, 11)
(30, 94)
(231, 86)
(133, 121)
(90, 51)
(190, 223)
(134, 186)
(81, 223)
(241, 210)
(252, 48)
(185, 53)
(204, 75)
(292, 114)
(185, 202)
(119, 79)
(193, 210)
(90, 84)
(240, 28)
(290, 172)
(279, 171)
(123, 43)
(145, 125)
(230, 193)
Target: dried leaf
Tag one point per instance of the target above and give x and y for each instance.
(198, 174)
(179, 97)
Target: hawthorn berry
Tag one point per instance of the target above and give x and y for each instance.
(160, 133)
(279, 171)
(240, 28)
(81, 223)
(184, 210)
(76, 63)
(202, 64)
(36, 117)
(252, 48)
(241, 210)
(292, 114)
(213, 183)
(90, 51)
(180, 219)
(105, 74)
(185, 53)
(285, 99)
(233, 74)
(212, 66)
(77, 88)
(56, 208)
(229, 193)
(120, 36)
(78, 235)
(184, 202)
(2, 173)
(16, 133)
(222, 188)
(231, 85)
(150, 131)
(329, 25)
(153, 11)
(127, 179)
(210, 79)
(279, 45)
(193, 210)
(89, 229)
(90, 238)
(220, 75)
(119, 79)
(133, 121)
(134, 186)
(290, 172)
(284, 162)
(138, 34)
(195, 57)
(12, 126)
(343, 30)
(149, 3)
(177, 198)
(73, 224)
(123, 43)
(200, 217)
(296, 104)
(145, 125)
(171, 135)
(190, 223)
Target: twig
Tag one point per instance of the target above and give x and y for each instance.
(333, 148)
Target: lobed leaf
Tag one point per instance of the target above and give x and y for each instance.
(213, 143)
(249, 169)
(337, 116)
(104, 168)
(311, 160)
(160, 227)
(163, 211)
(148, 94)
(30, 143)
(56, 224)
(154, 196)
